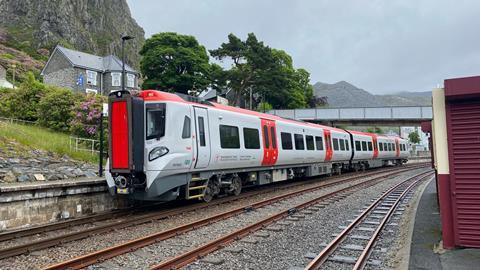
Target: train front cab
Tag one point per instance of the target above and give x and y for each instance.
(153, 146)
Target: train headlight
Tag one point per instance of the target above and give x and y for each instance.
(157, 152)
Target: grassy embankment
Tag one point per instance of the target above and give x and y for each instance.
(40, 138)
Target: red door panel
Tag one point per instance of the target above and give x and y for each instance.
(397, 148)
(375, 146)
(270, 145)
(328, 145)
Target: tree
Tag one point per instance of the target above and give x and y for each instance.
(414, 137)
(376, 130)
(175, 63)
(266, 72)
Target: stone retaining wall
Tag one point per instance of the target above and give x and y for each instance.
(34, 204)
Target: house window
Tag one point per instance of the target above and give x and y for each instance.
(130, 80)
(91, 77)
(116, 79)
(91, 91)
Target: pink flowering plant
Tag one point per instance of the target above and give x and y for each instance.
(86, 117)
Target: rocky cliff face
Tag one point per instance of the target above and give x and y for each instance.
(94, 26)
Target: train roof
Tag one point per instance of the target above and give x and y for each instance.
(155, 95)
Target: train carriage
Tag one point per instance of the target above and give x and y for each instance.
(166, 146)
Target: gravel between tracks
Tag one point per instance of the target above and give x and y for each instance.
(52, 255)
(288, 248)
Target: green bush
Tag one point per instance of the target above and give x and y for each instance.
(5, 94)
(23, 102)
(55, 109)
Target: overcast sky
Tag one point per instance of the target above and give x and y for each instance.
(381, 46)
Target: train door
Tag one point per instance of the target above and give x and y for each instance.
(328, 144)
(202, 138)
(270, 147)
(375, 146)
(397, 148)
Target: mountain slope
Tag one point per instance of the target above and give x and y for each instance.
(94, 26)
(344, 94)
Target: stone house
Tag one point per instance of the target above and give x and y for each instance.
(87, 73)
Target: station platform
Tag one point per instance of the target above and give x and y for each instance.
(426, 251)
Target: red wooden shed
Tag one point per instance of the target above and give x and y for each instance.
(456, 134)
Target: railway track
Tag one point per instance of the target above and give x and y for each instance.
(35, 230)
(181, 260)
(360, 236)
(149, 217)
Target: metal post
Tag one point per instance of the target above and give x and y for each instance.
(124, 38)
(123, 64)
(100, 153)
(251, 99)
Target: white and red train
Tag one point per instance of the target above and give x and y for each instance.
(165, 146)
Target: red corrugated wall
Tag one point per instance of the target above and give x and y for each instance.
(463, 121)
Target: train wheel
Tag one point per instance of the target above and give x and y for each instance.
(236, 186)
(209, 191)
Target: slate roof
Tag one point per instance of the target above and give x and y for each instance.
(93, 62)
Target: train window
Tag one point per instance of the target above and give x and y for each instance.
(299, 144)
(370, 147)
(201, 131)
(186, 128)
(274, 138)
(342, 144)
(357, 146)
(286, 141)
(385, 146)
(155, 123)
(364, 146)
(380, 146)
(229, 137)
(319, 142)
(393, 146)
(389, 147)
(251, 138)
(265, 136)
(335, 144)
(346, 145)
(310, 143)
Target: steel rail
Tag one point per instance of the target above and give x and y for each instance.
(334, 244)
(192, 255)
(362, 260)
(64, 238)
(23, 232)
(129, 246)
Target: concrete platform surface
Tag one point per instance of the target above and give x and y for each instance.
(425, 250)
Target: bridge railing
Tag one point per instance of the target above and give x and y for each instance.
(360, 113)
